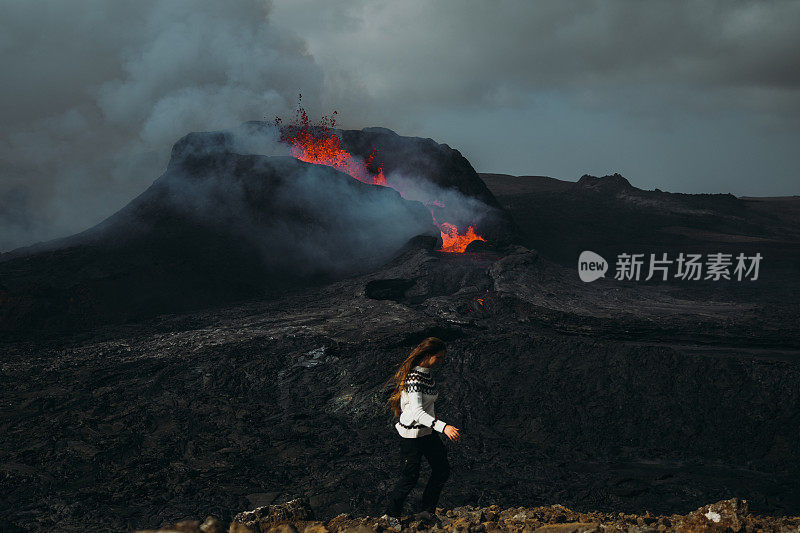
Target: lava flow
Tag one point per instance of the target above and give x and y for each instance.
(452, 241)
(321, 145)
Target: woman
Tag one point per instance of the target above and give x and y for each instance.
(412, 400)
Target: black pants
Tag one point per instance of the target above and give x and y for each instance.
(411, 452)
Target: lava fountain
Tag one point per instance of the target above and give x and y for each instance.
(321, 145)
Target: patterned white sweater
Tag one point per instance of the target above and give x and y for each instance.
(418, 416)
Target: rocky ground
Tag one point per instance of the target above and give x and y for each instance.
(297, 517)
(633, 400)
(609, 397)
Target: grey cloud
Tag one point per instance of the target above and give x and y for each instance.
(97, 94)
(484, 52)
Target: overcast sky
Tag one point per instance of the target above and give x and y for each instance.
(698, 96)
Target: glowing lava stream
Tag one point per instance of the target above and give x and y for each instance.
(320, 145)
(452, 241)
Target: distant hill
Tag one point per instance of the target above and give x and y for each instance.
(609, 215)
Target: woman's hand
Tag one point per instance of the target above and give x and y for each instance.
(452, 432)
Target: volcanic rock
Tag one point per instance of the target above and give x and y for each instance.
(261, 518)
(723, 516)
(388, 289)
(727, 515)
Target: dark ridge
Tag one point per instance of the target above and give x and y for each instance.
(611, 183)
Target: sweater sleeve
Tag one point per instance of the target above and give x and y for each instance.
(419, 414)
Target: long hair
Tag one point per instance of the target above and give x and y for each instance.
(429, 346)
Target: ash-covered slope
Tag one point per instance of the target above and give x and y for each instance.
(216, 226)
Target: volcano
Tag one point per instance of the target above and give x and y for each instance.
(220, 225)
(420, 169)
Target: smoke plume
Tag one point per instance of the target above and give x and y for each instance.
(94, 97)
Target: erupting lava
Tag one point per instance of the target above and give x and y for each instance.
(319, 144)
(452, 241)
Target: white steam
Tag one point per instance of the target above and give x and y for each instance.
(94, 97)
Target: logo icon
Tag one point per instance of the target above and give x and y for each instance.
(591, 266)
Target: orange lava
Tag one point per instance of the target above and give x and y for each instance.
(453, 241)
(321, 145)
